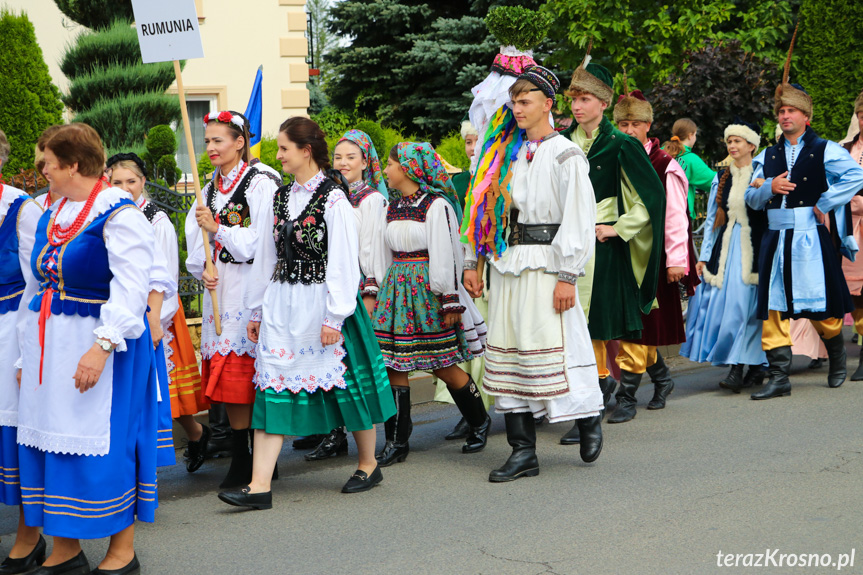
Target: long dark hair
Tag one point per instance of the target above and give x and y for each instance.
(307, 134)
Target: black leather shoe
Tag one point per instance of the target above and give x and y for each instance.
(308, 442)
(538, 421)
(132, 568)
(198, 451)
(858, 374)
(361, 481)
(77, 565)
(242, 498)
(625, 410)
(335, 443)
(663, 385)
(837, 371)
(591, 434)
(780, 365)
(25, 564)
(521, 436)
(571, 437)
(460, 430)
(734, 380)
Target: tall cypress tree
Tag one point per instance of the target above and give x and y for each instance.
(110, 87)
(29, 102)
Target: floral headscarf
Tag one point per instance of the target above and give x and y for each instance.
(422, 165)
(372, 175)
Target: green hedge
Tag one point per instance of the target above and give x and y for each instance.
(29, 102)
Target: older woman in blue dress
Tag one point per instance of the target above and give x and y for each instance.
(87, 420)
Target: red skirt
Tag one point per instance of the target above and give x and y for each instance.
(228, 378)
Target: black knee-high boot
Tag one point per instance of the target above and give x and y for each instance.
(625, 409)
(240, 472)
(663, 385)
(521, 436)
(397, 430)
(469, 402)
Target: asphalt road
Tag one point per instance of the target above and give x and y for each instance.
(713, 472)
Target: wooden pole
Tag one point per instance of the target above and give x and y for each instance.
(187, 128)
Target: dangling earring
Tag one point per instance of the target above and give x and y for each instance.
(71, 174)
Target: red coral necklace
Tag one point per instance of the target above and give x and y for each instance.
(62, 234)
(236, 180)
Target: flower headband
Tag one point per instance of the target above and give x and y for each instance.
(225, 118)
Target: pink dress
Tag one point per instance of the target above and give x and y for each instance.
(854, 270)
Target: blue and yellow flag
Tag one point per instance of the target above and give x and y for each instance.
(254, 112)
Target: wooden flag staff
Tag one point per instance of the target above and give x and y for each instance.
(187, 128)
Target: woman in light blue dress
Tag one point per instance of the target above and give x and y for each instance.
(722, 326)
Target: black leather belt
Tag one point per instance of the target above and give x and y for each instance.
(531, 234)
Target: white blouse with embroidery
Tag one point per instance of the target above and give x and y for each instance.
(54, 416)
(290, 355)
(241, 243)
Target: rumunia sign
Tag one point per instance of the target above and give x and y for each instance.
(167, 30)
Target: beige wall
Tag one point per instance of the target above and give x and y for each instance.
(238, 36)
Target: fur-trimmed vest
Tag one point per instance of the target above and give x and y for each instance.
(301, 239)
(752, 226)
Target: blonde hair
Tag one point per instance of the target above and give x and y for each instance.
(682, 129)
(131, 166)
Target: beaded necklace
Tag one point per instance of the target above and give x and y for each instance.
(234, 184)
(63, 235)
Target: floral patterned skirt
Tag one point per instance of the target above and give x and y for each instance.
(409, 324)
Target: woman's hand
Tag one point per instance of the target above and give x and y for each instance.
(369, 302)
(253, 331)
(329, 336)
(156, 331)
(90, 368)
(210, 281)
(699, 268)
(451, 319)
(18, 377)
(205, 220)
(604, 232)
(758, 182)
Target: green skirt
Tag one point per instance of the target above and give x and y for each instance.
(367, 398)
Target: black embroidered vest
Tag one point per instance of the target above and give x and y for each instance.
(403, 209)
(301, 240)
(151, 210)
(357, 196)
(236, 211)
(808, 171)
(757, 225)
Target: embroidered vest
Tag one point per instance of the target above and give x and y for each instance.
(357, 196)
(151, 210)
(236, 211)
(11, 279)
(403, 209)
(77, 271)
(808, 171)
(301, 241)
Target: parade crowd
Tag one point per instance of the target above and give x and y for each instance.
(524, 283)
